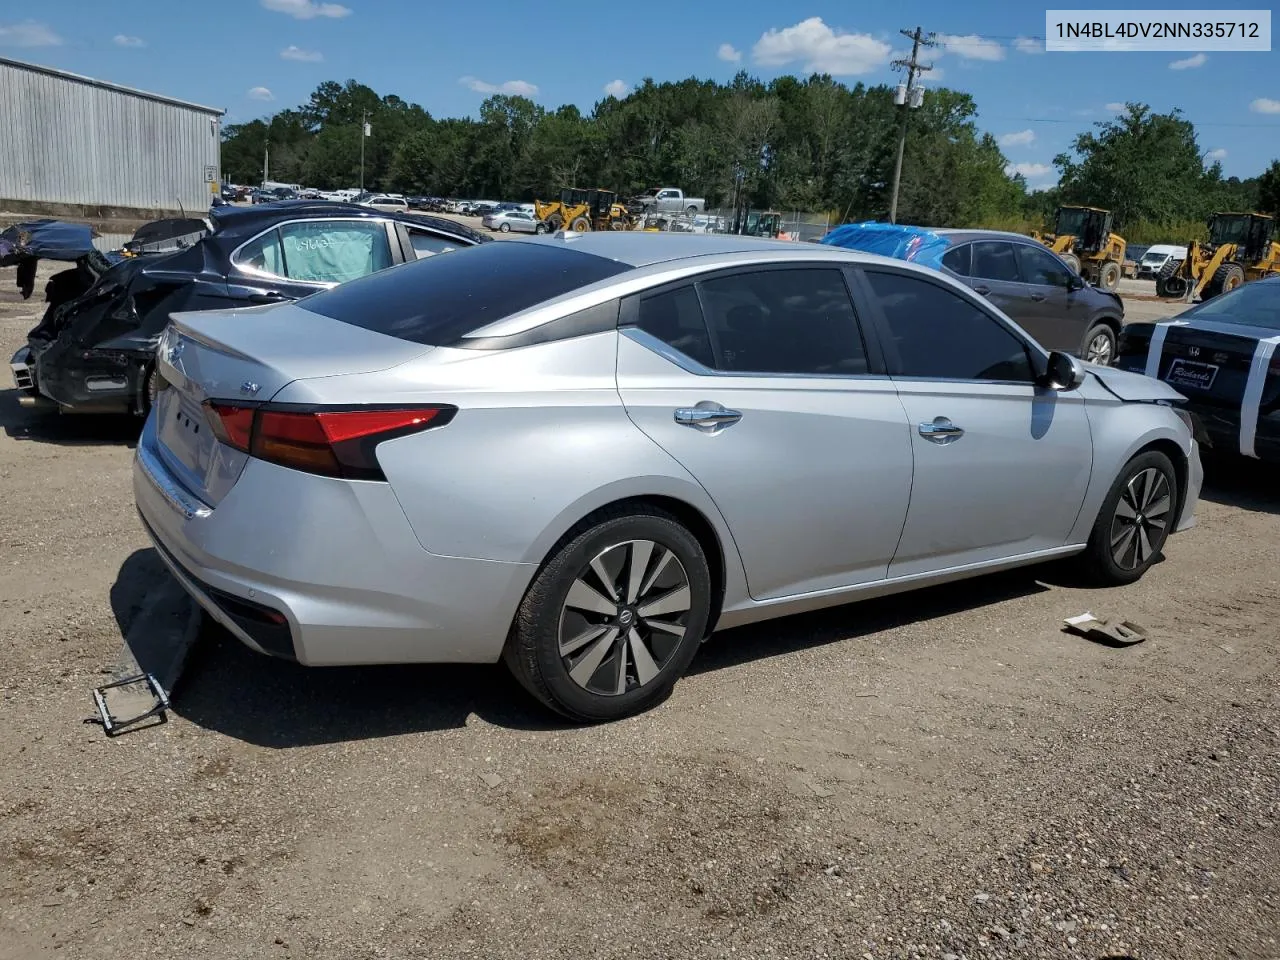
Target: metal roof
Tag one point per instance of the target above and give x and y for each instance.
(105, 85)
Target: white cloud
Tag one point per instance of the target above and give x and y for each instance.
(517, 88)
(1030, 171)
(819, 49)
(1190, 63)
(971, 47)
(932, 75)
(1116, 108)
(1219, 154)
(1028, 45)
(120, 40)
(261, 93)
(617, 88)
(307, 9)
(1265, 105)
(1022, 138)
(729, 53)
(297, 53)
(28, 33)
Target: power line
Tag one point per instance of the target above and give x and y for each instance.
(912, 96)
(1078, 120)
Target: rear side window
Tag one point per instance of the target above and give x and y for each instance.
(675, 318)
(327, 251)
(994, 260)
(957, 260)
(440, 299)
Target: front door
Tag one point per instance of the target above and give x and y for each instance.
(1001, 465)
(1061, 317)
(758, 384)
(994, 275)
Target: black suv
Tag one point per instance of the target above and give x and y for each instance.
(94, 349)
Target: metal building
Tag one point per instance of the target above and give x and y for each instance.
(69, 141)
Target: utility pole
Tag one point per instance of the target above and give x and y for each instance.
(908, 97)
(266, 161)
(364, 132)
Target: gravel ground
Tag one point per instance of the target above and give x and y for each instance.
(945, 775)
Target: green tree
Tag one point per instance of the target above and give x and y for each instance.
(1269, 190)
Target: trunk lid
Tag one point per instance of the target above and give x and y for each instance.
(247, 356)
(1209, 363)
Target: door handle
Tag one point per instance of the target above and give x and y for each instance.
(1037, 297)
(940, 430)
(272, 297)
(707, 415)
(982, 290)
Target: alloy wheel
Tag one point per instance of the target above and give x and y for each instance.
(624, 617)
(1099, 351)
(1141, 519)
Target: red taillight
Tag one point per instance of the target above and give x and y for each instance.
(334, 442)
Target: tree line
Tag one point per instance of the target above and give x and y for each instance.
(807, 144)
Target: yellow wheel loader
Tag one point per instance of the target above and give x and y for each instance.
(583, 210)
(1083, 237)
(1241, 246)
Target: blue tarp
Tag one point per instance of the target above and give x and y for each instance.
(45, 239)
(916, 244)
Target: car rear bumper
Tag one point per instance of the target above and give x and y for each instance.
(1221, 426)
(323, 571)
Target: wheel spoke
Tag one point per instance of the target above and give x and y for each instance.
(583, 596)
(591, 660)
(1159, 508)
(646, 669)
(1121, 545)
(607, 581)
(1155, 489)
(570, 647)
(1124, 510)
(1143, 549)
(675, 629)
(641, 551)
(674, 601)
(1125, 529)
(663, 561)
(620, 679)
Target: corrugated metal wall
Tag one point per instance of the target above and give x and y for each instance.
(65, 139)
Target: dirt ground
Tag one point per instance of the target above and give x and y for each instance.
(940, 775)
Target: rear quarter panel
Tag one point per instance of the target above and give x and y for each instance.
(540, 440)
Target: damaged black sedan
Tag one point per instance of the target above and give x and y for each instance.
(94, 349)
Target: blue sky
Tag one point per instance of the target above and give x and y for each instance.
(252, 57)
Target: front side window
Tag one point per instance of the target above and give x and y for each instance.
(934, 333)
(334, 251)
(426, 244)
(1041, 267)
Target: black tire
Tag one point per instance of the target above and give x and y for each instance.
(505, 228)
(152, 386)
(540, 229)
(1109, 276)
(533, 649)
(1099, 561)
(1225, 279)
(555, 223)
(1072, 261)
(580, 225)
(1094, 351)
(691, 211)
(1168, 283)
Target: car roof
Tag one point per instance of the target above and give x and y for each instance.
(958, 234)
(642, 248)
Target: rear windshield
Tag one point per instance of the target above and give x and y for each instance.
(1255, 304)
(440, 299)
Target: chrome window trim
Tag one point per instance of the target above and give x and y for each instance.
(318, 284)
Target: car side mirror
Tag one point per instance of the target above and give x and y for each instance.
(1063, 372)
(1075, 282)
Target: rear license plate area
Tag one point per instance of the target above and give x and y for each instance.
(1191, 373)
(185, 432)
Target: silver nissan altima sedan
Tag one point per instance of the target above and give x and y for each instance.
(581, 454)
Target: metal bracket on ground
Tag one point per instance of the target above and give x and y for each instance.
(1113, 633)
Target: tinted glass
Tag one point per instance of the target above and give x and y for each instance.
(1254, 304)
(437, 300)
(783, 321)
(933, 332)
(957, 260)
(1041, 267)
(675, 318)
(334, 251)
(428, 244)
(994, 260)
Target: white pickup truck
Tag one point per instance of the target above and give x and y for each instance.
(667, 200)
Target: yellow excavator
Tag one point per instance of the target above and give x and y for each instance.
(1082, 236)
(583, 210)
(1241, 246)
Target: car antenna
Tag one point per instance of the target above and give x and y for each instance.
(181, 209)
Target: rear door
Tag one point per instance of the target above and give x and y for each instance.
(759, 383)
(1057, 316)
